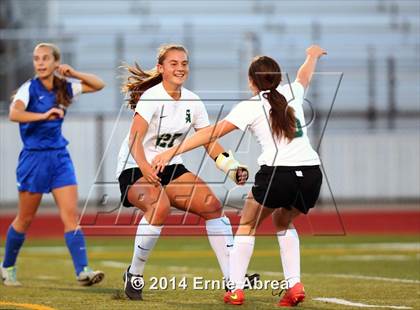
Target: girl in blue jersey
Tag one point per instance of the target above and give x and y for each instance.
(44, 164)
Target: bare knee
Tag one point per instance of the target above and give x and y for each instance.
(246, 230)
(70, 221)
(283, 219)
(212, 208)
(156, 206)
(156, 215)
(22, 222)
(281, 223)
(282, 226)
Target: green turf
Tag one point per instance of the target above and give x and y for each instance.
(329, 267)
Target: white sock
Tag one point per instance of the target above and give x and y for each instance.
(240, 256)
(219, 232)
(290, 255)
(146, 238)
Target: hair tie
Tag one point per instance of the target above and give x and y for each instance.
(265, 93)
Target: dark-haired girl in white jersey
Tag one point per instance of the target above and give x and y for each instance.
(289, 180)
(164, 114)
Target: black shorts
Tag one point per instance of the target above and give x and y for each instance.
(130, 176)
(287, 187)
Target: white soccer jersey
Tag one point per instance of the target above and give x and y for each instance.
(169, 122)
(255, 113)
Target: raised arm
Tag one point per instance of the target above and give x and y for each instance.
(304, 74)
(90, 82)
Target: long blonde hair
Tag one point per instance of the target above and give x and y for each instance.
(139, 80)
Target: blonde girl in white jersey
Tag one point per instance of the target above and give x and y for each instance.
(289, 180)
(164, 112)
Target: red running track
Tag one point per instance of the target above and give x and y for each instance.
(316, 223)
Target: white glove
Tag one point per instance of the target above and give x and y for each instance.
(230, 166)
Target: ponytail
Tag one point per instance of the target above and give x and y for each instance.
(62, 97)
(265, 74)
(282, 116)
(140, 80)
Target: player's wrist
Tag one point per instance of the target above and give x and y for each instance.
(312, 57)
(226, 154)
(143, 166)
(229, 165)
(172, 152)
(76, 74)
(44, 116)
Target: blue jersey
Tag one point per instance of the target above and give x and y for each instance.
(42, 135)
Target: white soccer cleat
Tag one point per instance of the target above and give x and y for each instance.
(9, 276)
(88, 277)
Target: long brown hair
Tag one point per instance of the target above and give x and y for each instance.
(59, 85)
(265, 73)
(139, 80)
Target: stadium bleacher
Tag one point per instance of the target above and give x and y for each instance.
(222, 37)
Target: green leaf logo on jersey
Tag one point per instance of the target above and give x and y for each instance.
(188, 116)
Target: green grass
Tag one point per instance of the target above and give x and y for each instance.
(329, 267)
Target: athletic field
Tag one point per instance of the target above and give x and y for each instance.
(381, 271)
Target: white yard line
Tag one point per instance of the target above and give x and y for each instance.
(272, 274)
(370, 258)
(345, 276)
(344, 302)
(175, 269)
(405, 246)
(360, 277)
(397, 246)
(116, 264)
(63, 249)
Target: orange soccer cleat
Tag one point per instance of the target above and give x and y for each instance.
(293, 296)
(236, 297)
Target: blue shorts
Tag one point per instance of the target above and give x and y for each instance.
(42, 171)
